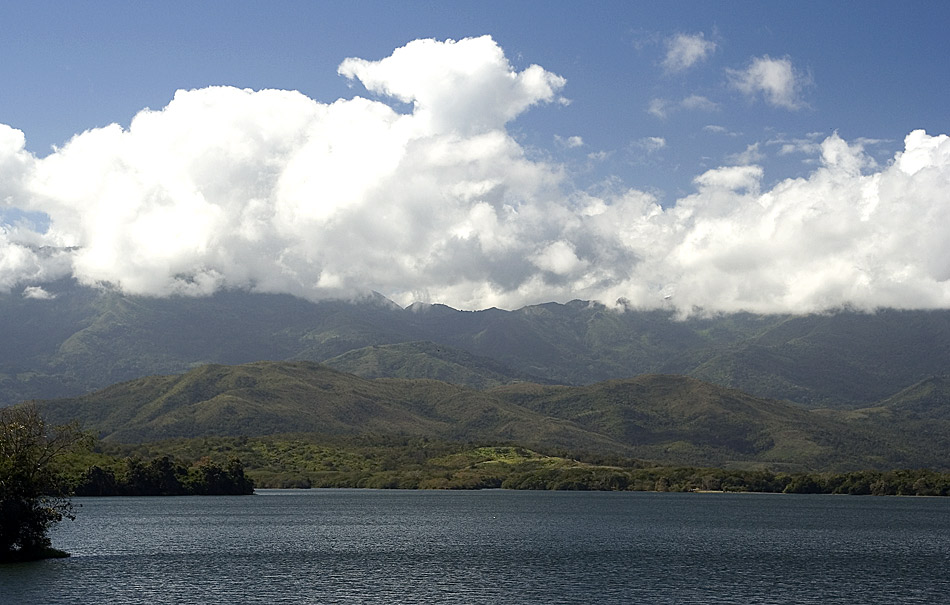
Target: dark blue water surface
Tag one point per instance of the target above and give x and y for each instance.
(497, 546)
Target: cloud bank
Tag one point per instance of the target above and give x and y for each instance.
(272, 191)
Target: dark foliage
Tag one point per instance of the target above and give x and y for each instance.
(33, 489)
(163, 476)
(379, 462)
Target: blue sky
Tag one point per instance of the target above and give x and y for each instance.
(878, 70)
(653, 96)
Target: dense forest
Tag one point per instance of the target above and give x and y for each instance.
(163, 476)
(302, 462)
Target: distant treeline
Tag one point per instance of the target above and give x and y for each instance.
(364, 462)
(662, 479)
(878, 483)
(164, 476)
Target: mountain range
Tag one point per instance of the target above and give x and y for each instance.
(834, 391)
(77, 339)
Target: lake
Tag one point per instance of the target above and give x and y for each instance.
(494, 546)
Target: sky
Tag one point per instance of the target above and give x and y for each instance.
(701, 156)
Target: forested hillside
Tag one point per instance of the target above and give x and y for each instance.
(81, 339)
(668, 419)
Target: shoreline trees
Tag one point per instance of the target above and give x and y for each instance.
(36, 483)
(164, 476)
(34, 491)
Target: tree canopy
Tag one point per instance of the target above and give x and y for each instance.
(33, 489)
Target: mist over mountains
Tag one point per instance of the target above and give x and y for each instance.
(77, 339)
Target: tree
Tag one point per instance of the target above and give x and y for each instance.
(34, 493)
(208, 479)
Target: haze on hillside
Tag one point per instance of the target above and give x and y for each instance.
(419, 186)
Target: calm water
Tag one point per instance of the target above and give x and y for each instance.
(366, 546)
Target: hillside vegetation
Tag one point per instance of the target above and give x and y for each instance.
(82, 339)
(666, 419)
(297, 461)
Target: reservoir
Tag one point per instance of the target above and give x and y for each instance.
(494, 546)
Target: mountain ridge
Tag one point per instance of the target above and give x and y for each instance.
(668, 418)
(82, 339)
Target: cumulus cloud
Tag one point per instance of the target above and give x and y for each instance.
(751, 155)
(776, 80)
(685, 50)
(467, 85)
(272, 191)
(559, 258)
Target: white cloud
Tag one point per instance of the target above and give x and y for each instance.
(699, 103)
(37, 293)
(719, 129)
(751, 155)
(275, 192)
(685, 50)
(659, 108)
(16, 165)
(662, 108)
(560, 258)
(651, 144)
(466, 85)
(805, 147)
(21, 262)
(922, 152)
(777, 80)
(569, 142)
(808, 145)
(732, 178)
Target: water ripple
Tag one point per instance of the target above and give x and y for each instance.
(364, 546)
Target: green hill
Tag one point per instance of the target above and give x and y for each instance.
(687, 421)
(426, 360)
(270, 398)
(929, 399)
(669, 419)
